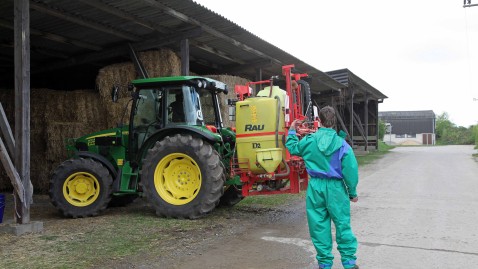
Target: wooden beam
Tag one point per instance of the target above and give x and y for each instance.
(358, 123)
(185, 57)
(342, 124)
(247, 66)
(21, 38)
(204, 62)
(365, 115)
(6, 131)
(50, 53)
(121, 50)
(12, 172)
(55, 37)
(183, 17)
(64, 15)
(125, 15)
(216, 52)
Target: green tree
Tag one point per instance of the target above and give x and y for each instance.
(381, 129)
(475, 135)
(447, 133)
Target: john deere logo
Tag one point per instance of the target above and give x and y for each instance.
(250, 127)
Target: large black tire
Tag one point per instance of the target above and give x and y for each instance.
(182, 177)
(231, 196)
(80, 188)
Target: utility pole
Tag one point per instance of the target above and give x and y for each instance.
(467, 3)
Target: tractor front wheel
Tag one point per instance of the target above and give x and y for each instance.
(182, 177)
(80, 188)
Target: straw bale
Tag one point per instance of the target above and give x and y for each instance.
(117, 113)
(161, 63)
(74, 106)
(56, 135)
(158, 63)
(120, 74)
(54, 116)
(230, 81)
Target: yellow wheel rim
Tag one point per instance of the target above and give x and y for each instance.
(81, 189)
(177, 179)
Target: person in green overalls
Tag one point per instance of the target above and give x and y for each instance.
(333, 173)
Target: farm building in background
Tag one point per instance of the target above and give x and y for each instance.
(409, 127)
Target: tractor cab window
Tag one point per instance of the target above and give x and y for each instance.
(148, 110)
(208, 107)
(148, 107)
(184, 106)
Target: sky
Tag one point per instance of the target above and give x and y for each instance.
(423, 55)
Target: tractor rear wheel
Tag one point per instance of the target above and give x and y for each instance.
(80, 188)
(182, 177)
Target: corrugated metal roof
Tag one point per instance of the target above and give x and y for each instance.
(349, 79)
(64, 33)
(409, 122)
(418, 114)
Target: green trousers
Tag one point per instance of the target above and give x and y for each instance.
(327, 199)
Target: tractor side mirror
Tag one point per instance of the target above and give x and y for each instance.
(115, 93)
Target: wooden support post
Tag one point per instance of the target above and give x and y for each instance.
(185, 57)
(377, 123)
(22, 108)
(365, 116)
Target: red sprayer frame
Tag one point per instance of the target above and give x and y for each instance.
(253, 184)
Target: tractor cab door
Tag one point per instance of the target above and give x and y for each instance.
(171, 106)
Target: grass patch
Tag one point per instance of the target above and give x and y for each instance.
(271, 200)
(93, 242)
(374, 155)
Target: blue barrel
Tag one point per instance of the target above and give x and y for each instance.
(2, 206)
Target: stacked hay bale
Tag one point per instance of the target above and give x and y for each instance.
(54, 117)
(230, 81)
(158, 63)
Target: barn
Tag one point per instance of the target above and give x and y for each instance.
(60, 59)
(409, 127)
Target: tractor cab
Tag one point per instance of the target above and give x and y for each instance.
(173, 103)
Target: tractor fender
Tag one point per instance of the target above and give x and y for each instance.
(98, 158)
(172, 130)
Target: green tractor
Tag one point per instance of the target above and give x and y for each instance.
(175, 151)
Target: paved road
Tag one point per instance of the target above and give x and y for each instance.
(417, 209)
